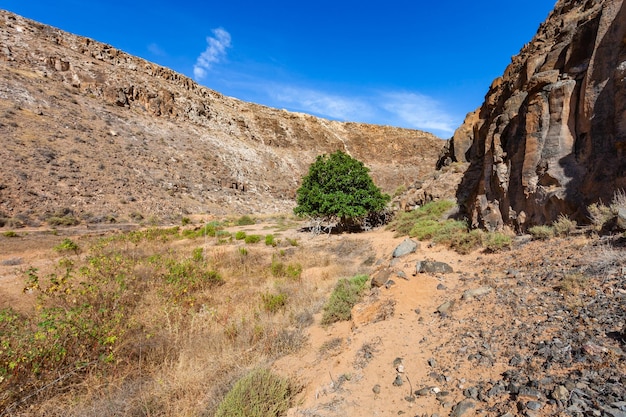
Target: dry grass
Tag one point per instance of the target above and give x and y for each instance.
(182, 350)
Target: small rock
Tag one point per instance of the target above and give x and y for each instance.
(445, 307)
(407, 247)
(470, 294)
(432, 362)
(433, 267)
(381, 277)
(400, 369)
(376, 389)
(441, 287)
(398, 382)
(534, 405)
(423, 391)
(560, 393)
(401, 274)
(462, 408)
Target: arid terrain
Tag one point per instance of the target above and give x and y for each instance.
(150, 261)
(541, 333)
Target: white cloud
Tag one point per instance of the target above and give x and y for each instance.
(403, 109)
(214, 53)
(418, 111)
(156, 50)
(320, 103)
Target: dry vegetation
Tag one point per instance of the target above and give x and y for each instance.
(161, 321)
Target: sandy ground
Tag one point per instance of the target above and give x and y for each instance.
(349, 368)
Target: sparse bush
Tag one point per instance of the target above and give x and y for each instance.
(10, 233)
(68, 220)
(346, 294)
(294, 271)
(404, 222)
(292, 242)
(252, 239)
(272, 303)
(240, 235)
(564, 226)
(496, 242)
(185, 221)
(465, 242)
(270, 240)
(68, 245)
(258, 394)
(245, 220)
(136, 216)
(541, 232)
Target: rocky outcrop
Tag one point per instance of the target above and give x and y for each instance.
(91, 128)
(550, 137)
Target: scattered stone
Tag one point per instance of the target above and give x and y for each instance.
(433, 267)
(432, 363)
(445, 307)
(390, 283)
(462, 408)
(376, 389)
(400, 369)
(401, 274)
(534, 405)
(560, 393)
(381, 277)
(423, 391)
(441, 287)
(477, 292)
(407, 247)
(398, 382)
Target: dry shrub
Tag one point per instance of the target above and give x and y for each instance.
(564, 226)
(184, 344)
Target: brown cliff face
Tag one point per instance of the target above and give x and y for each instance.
(550, 137)
(88, 128)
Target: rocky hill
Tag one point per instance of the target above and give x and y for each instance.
(550, 136)
(91, 133)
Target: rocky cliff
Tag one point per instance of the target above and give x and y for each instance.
(88, 129)
(550, 137)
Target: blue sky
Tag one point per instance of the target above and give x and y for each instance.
(413, 64)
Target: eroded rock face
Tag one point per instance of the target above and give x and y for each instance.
(550, 137)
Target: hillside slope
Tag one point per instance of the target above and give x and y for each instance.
(91, 130)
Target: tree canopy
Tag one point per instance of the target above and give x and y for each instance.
(339, 187)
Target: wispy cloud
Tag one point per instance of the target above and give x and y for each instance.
(156, 50)
(214, 53)
(404, 109)
(320, 103)
(418, 110)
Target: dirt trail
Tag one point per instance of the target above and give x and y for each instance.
(348, 368)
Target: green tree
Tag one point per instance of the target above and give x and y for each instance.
(339, 188)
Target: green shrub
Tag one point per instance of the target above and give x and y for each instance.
(245, 220)
(68, 220)
(292, 242)
(496, 242)
(258, 394)
(68, 245)
(346, 294)
(252, 239)
(240, 235)
(10, 233)
(273, 302)
(541, 232)
(405, 222)
(338, 186)
(198, 255)
(185, 221)
(294, 271)
(465, 242)
(270, 240)
(564, 226)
